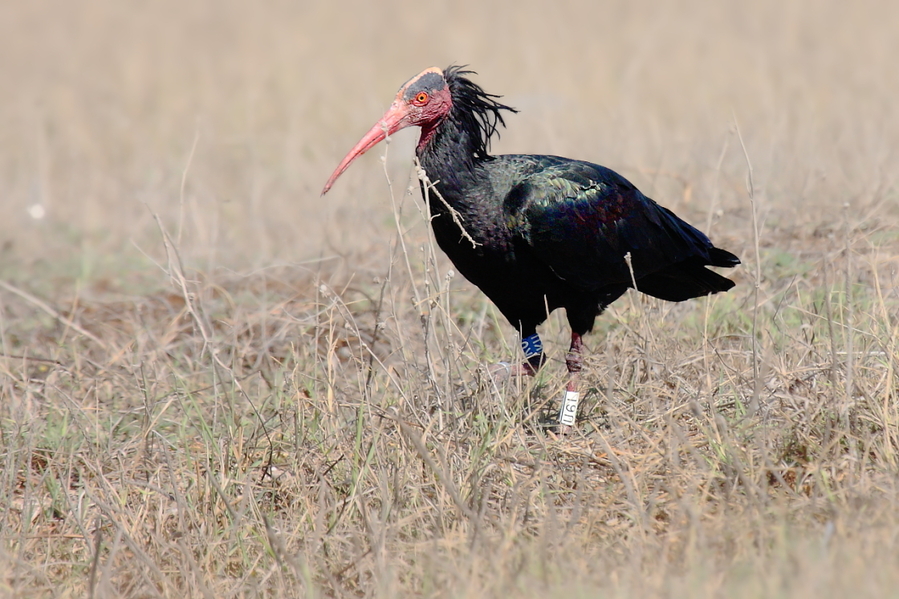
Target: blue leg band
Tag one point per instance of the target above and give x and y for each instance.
(532, 346)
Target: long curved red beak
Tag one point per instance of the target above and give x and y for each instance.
(390, 123)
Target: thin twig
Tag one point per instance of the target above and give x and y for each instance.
(432, 186)
(849, 303)
(750, 189)
(190, 159)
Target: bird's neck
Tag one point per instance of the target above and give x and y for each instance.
(447, 152)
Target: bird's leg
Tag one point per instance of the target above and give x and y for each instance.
(568, 413)
(532, 347)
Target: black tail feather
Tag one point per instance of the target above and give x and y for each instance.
(719, 257)
(687, 280)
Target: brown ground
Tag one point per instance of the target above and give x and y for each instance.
(216, 383)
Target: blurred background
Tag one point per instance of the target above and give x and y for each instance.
(225, 118)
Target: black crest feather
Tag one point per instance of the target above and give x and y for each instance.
(478, 111)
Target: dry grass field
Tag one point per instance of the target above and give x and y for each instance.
(216, 383)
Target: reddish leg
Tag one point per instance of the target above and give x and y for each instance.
(532, 347)
(504, 369)
(568, 412)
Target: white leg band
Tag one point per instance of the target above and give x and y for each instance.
(568, 413)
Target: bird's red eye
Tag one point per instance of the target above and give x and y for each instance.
(421, 98)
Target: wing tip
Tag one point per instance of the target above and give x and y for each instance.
(722, 258)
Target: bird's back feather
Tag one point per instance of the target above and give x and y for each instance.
(594, 229)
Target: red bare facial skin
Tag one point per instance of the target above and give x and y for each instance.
(418, 103)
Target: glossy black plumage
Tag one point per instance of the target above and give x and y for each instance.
(552, 232)
(537, 233)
